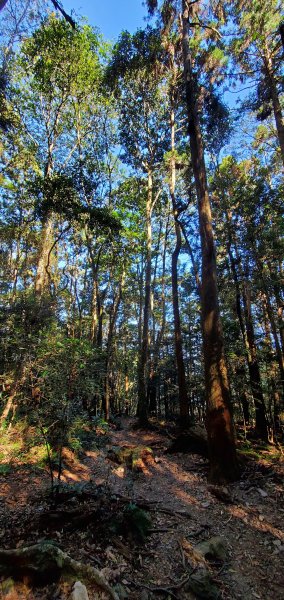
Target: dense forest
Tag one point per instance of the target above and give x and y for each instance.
(141, 257)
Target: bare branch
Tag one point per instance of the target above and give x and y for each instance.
(2, 3)
(199, 24)
(67, 17)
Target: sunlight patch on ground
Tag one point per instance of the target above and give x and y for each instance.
(67, 475)
(184, 496)
(119, 472)
(92, 453)
(253, 521)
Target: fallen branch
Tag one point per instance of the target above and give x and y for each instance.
(160, 529)
(159, 589)
(173, 513)
(67, 17)
(182, 553)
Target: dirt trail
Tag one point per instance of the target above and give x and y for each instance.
(252, 525)
(183, 508)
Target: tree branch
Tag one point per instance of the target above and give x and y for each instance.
(199, 24)
(67, 17)
(195, 268)
(3, 3)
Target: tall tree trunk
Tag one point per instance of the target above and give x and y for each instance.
(96, 332)
(143, 358)
(140, 281)
(279, 303)
(153, 376)
(270, 311)
(277, 110)
(94, 314)
(221, 439)
(271, 317)
(261, 425)
(42, 280)
(100, 313)
(247, 330)
(109, 348)
(275, 396)
(244, 401)
(183, 396)
(193, 261)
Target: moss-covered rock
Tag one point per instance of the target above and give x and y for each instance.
(6, 587)
(201, 583)
(213, 549)
(141, 456)
(134, 457)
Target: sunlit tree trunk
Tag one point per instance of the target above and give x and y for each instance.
(47, 232)
(221, 439)
(42, 279)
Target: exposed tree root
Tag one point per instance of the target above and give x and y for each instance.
(45, 562)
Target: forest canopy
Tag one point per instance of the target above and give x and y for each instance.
(141, 221)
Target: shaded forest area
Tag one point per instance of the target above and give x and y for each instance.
(141, 303)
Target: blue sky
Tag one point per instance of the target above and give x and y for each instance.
(110, 16)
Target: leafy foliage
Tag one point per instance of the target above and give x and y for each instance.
(90, 132)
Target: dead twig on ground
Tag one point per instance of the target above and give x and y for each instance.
(182, 553)
(174, 513)
(159, 589)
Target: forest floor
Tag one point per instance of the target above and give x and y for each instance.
(91, 523)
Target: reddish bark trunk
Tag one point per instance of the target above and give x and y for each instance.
(221, 440)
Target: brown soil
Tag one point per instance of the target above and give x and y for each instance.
(183, 508)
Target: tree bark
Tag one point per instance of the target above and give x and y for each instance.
(219, 422)
(112, 320)
(244, 401)
(247, 330)
(42, 280)
(153, 377)
(183, 396)
(271, 317)
(275, 101)
(261, 425)
(143, 359)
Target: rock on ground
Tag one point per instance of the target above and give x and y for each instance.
(79, 592)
